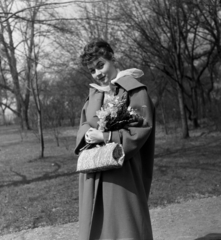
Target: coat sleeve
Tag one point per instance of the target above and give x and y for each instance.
(84, 126)
(133, 138)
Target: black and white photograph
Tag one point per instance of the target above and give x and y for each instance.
(110, 120)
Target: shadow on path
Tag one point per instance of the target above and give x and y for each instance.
(202, 149)
(47, 176)
(211, 236)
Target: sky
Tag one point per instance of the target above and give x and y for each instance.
(67, 10)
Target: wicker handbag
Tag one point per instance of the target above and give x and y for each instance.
(101, 158)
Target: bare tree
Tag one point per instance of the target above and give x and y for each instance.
(33, 53)
(8, 47)
(16, 46)
(153, 30)
(167, 35)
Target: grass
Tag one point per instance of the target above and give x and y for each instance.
(186, 169)
(38, 192)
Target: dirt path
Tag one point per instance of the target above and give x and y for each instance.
(192, 220)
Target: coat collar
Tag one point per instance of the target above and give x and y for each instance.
(133, 72)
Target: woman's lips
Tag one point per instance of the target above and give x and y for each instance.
(102, 79)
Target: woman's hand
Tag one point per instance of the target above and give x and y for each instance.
(94, 136)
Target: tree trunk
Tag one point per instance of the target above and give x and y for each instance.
(37, 100)
(195, 108)
(25, 118)
(19, 113)
(202, 105)
(35, 92)
(40, 132)
(164, 119)
(4, 122)
(185, 130)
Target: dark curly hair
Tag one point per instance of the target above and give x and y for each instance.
(95, 49)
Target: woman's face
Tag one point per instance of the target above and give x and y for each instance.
(102, 70)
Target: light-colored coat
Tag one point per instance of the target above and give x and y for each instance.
(113, 204)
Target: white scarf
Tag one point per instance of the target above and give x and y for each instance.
(134, 72)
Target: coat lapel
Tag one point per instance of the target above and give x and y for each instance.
(95, 104)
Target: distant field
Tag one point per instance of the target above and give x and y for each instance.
(186, 169)
(38, 192)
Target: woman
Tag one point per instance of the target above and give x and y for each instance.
(113, 204)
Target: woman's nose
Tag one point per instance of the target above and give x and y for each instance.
(98, 72)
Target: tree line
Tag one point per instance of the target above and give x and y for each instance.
(177, 43)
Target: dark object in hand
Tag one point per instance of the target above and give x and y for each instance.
(133, 121)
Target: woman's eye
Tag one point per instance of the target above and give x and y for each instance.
(92, 71)
(100, 66)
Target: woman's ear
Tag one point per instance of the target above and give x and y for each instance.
(113, 58)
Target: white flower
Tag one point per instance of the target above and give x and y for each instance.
(110, 105)
(131, 111)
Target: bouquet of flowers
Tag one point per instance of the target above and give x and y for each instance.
(115, 114)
